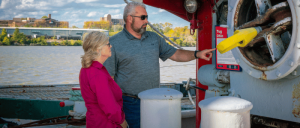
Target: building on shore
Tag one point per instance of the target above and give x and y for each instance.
(59, 33)
(107, 17)
(100, 24)
(33, 22)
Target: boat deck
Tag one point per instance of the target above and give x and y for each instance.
(49, 92)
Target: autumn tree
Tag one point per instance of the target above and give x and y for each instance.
(179, 35)
(87, 24)
(116, 28)
(22, 38)
(6, 41)
(44, 17)
(104, 25)
(158, 26)
(63, 24)
(3, 34)
(39, 23)
(167, 27)
(97, 24)
(84, 34)
(16, 34)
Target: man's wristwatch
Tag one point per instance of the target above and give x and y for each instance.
(195, 54)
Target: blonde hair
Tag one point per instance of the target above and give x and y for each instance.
(91, 43)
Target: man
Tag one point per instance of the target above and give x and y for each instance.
(134, 63)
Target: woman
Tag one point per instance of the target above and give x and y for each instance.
(102, 95)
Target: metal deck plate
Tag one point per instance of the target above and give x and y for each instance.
(56, 92)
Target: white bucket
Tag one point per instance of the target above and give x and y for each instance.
(160, 108)
(225, 112)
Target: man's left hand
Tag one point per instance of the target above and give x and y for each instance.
(205, 54)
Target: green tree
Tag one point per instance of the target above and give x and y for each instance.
(72, 42)
(68, 43)
(54, 43)
(113, 33)
(27, 41)
(65, 43)
(167, 27)
(44, 17)
(116, 28)
(42, 38)
(23, 37)
(157, 26)
(3, 34)
(27, 25)
(44, 43)
(179, 41)
(78, 43)
(33, 40)
(22, 41)
(16, 35)
(6, 41)
(38, 40)
(74, 26)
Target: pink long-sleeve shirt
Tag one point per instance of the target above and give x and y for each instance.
(102, 96)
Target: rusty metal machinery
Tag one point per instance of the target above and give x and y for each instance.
(264, 122)
(270, 62)
(274, 53)
(54, 121)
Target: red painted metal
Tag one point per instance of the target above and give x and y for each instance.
(76, 88)
(204, 37)
(62, 104)
(204, 41)
(174, 6)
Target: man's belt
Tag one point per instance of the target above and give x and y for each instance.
(130, 95)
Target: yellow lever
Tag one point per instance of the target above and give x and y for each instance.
(240, 38)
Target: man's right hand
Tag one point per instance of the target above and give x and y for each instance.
(124, 124)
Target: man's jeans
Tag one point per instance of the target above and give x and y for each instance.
(131, 107)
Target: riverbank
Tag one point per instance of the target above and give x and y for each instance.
(48, 42)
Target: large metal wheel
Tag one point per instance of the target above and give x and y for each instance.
(274, 53)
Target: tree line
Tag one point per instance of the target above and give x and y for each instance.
(20, 38)
(179, 35)
(97, 25)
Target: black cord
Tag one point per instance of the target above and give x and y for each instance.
(195, 87)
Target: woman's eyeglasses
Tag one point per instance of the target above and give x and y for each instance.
(108, 44)
(143, 17)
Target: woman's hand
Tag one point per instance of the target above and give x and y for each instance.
(124, 124)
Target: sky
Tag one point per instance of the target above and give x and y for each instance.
(78, 11)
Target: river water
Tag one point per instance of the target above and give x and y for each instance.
(44, 65)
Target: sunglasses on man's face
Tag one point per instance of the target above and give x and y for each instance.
(143, 17)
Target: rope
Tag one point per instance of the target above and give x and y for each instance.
(155, 29)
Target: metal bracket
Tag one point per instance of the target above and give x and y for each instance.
(195, 24)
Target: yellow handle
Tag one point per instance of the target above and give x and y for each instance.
(240, 38)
